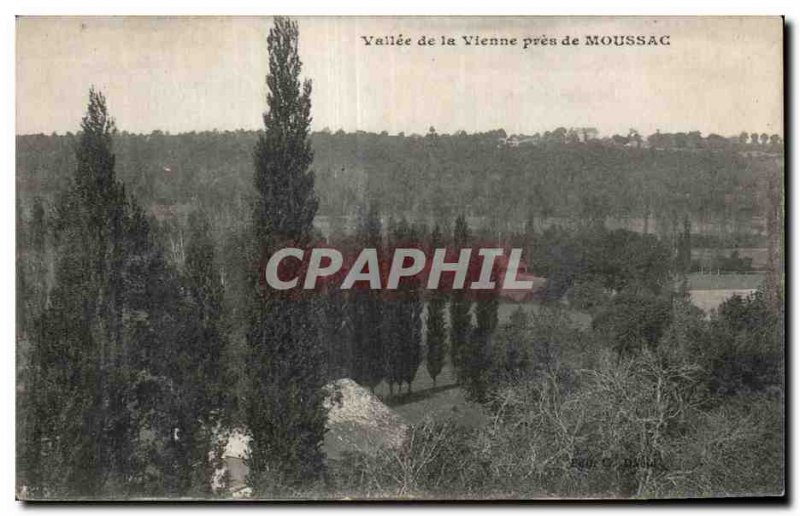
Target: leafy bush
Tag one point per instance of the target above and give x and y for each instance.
(588, 295)
(744, 347)
(633, 321)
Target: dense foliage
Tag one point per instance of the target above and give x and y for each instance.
(285, 368)
(107, 408)
(438, 177)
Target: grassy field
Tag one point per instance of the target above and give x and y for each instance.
(424, 381)
(758, 255)
(725, 281)
(579, 319)
(445, 400)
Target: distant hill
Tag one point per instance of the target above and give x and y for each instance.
(438, 176)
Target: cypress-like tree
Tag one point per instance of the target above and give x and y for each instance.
(336, 332)
(78, 379)
(460, 308)
(394, 324)
(477, 372)
(101, 375)
(151, 371)
(403, 321)
(199, 372)
(285, 415)
(435, 324)
(517, 356)
(115, 370)
(478, 359)
(486, 311)
(368, 313)
(684, 257)
(413, 306)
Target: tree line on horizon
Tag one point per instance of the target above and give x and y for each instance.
(438, 177)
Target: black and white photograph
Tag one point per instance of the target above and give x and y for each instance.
(399, 258)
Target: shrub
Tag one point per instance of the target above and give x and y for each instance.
(744, 347)
(435, 460)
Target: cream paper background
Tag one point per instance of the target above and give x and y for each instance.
(720, 74)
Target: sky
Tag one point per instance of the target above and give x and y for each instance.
(179, 74)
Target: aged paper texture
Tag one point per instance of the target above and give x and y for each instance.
(403, 258)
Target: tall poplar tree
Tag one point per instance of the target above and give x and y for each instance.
(285, 415)
(199, 371)
(413, 306)
(460, 308)
(436, 337)
(394, 322)
(477, 361)
(77, 384)
(403, 320)
(684, 258)
(368, 313)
